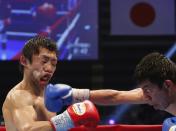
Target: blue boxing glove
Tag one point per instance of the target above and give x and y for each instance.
(58, 95)
(169, 124)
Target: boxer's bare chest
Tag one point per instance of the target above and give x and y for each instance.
(41, 113)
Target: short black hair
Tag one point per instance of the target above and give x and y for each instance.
(33, 45)
(156, 68)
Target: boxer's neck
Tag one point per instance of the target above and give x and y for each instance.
(32, 88)
(171, 109)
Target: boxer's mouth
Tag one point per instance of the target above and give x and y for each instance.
(45, 78)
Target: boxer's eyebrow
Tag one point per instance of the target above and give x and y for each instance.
(45, 57)
(146, 87)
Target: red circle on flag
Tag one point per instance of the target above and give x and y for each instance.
(142, 14)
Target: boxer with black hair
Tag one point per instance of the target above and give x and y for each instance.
(24, 109)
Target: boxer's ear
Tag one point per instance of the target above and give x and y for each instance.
(168, 84)
(23, 61)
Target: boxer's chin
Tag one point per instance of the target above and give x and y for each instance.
(43, 83)
(44, 80)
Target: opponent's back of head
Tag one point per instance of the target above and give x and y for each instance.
(156, 68)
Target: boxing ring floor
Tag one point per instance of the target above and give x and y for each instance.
(119, 127)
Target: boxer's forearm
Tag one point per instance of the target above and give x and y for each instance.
(104, 97)
(114, 97)
(38, 126)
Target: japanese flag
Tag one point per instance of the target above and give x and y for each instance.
(142, 17)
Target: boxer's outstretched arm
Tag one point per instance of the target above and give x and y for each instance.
(114, 97)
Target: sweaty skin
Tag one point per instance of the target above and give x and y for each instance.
(23, 108)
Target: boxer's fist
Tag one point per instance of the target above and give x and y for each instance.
(169, 124)
(84, 113)
(57, 96)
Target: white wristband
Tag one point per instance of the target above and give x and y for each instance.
(62, 122)
(172, 128)
(80, 95)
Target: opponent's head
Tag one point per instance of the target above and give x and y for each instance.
(157, 76)
(39, 58)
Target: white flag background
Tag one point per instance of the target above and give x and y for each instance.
(142, 17)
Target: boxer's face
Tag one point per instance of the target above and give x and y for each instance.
(43, 67)
(158, 97)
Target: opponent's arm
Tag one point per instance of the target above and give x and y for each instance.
(60, 94)
(114, 97)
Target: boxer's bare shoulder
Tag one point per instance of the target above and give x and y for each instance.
(21, 101)
(18, 98)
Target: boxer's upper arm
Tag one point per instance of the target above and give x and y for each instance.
(20, 104)
(23, 117)
(7, 118)
(25, 120)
